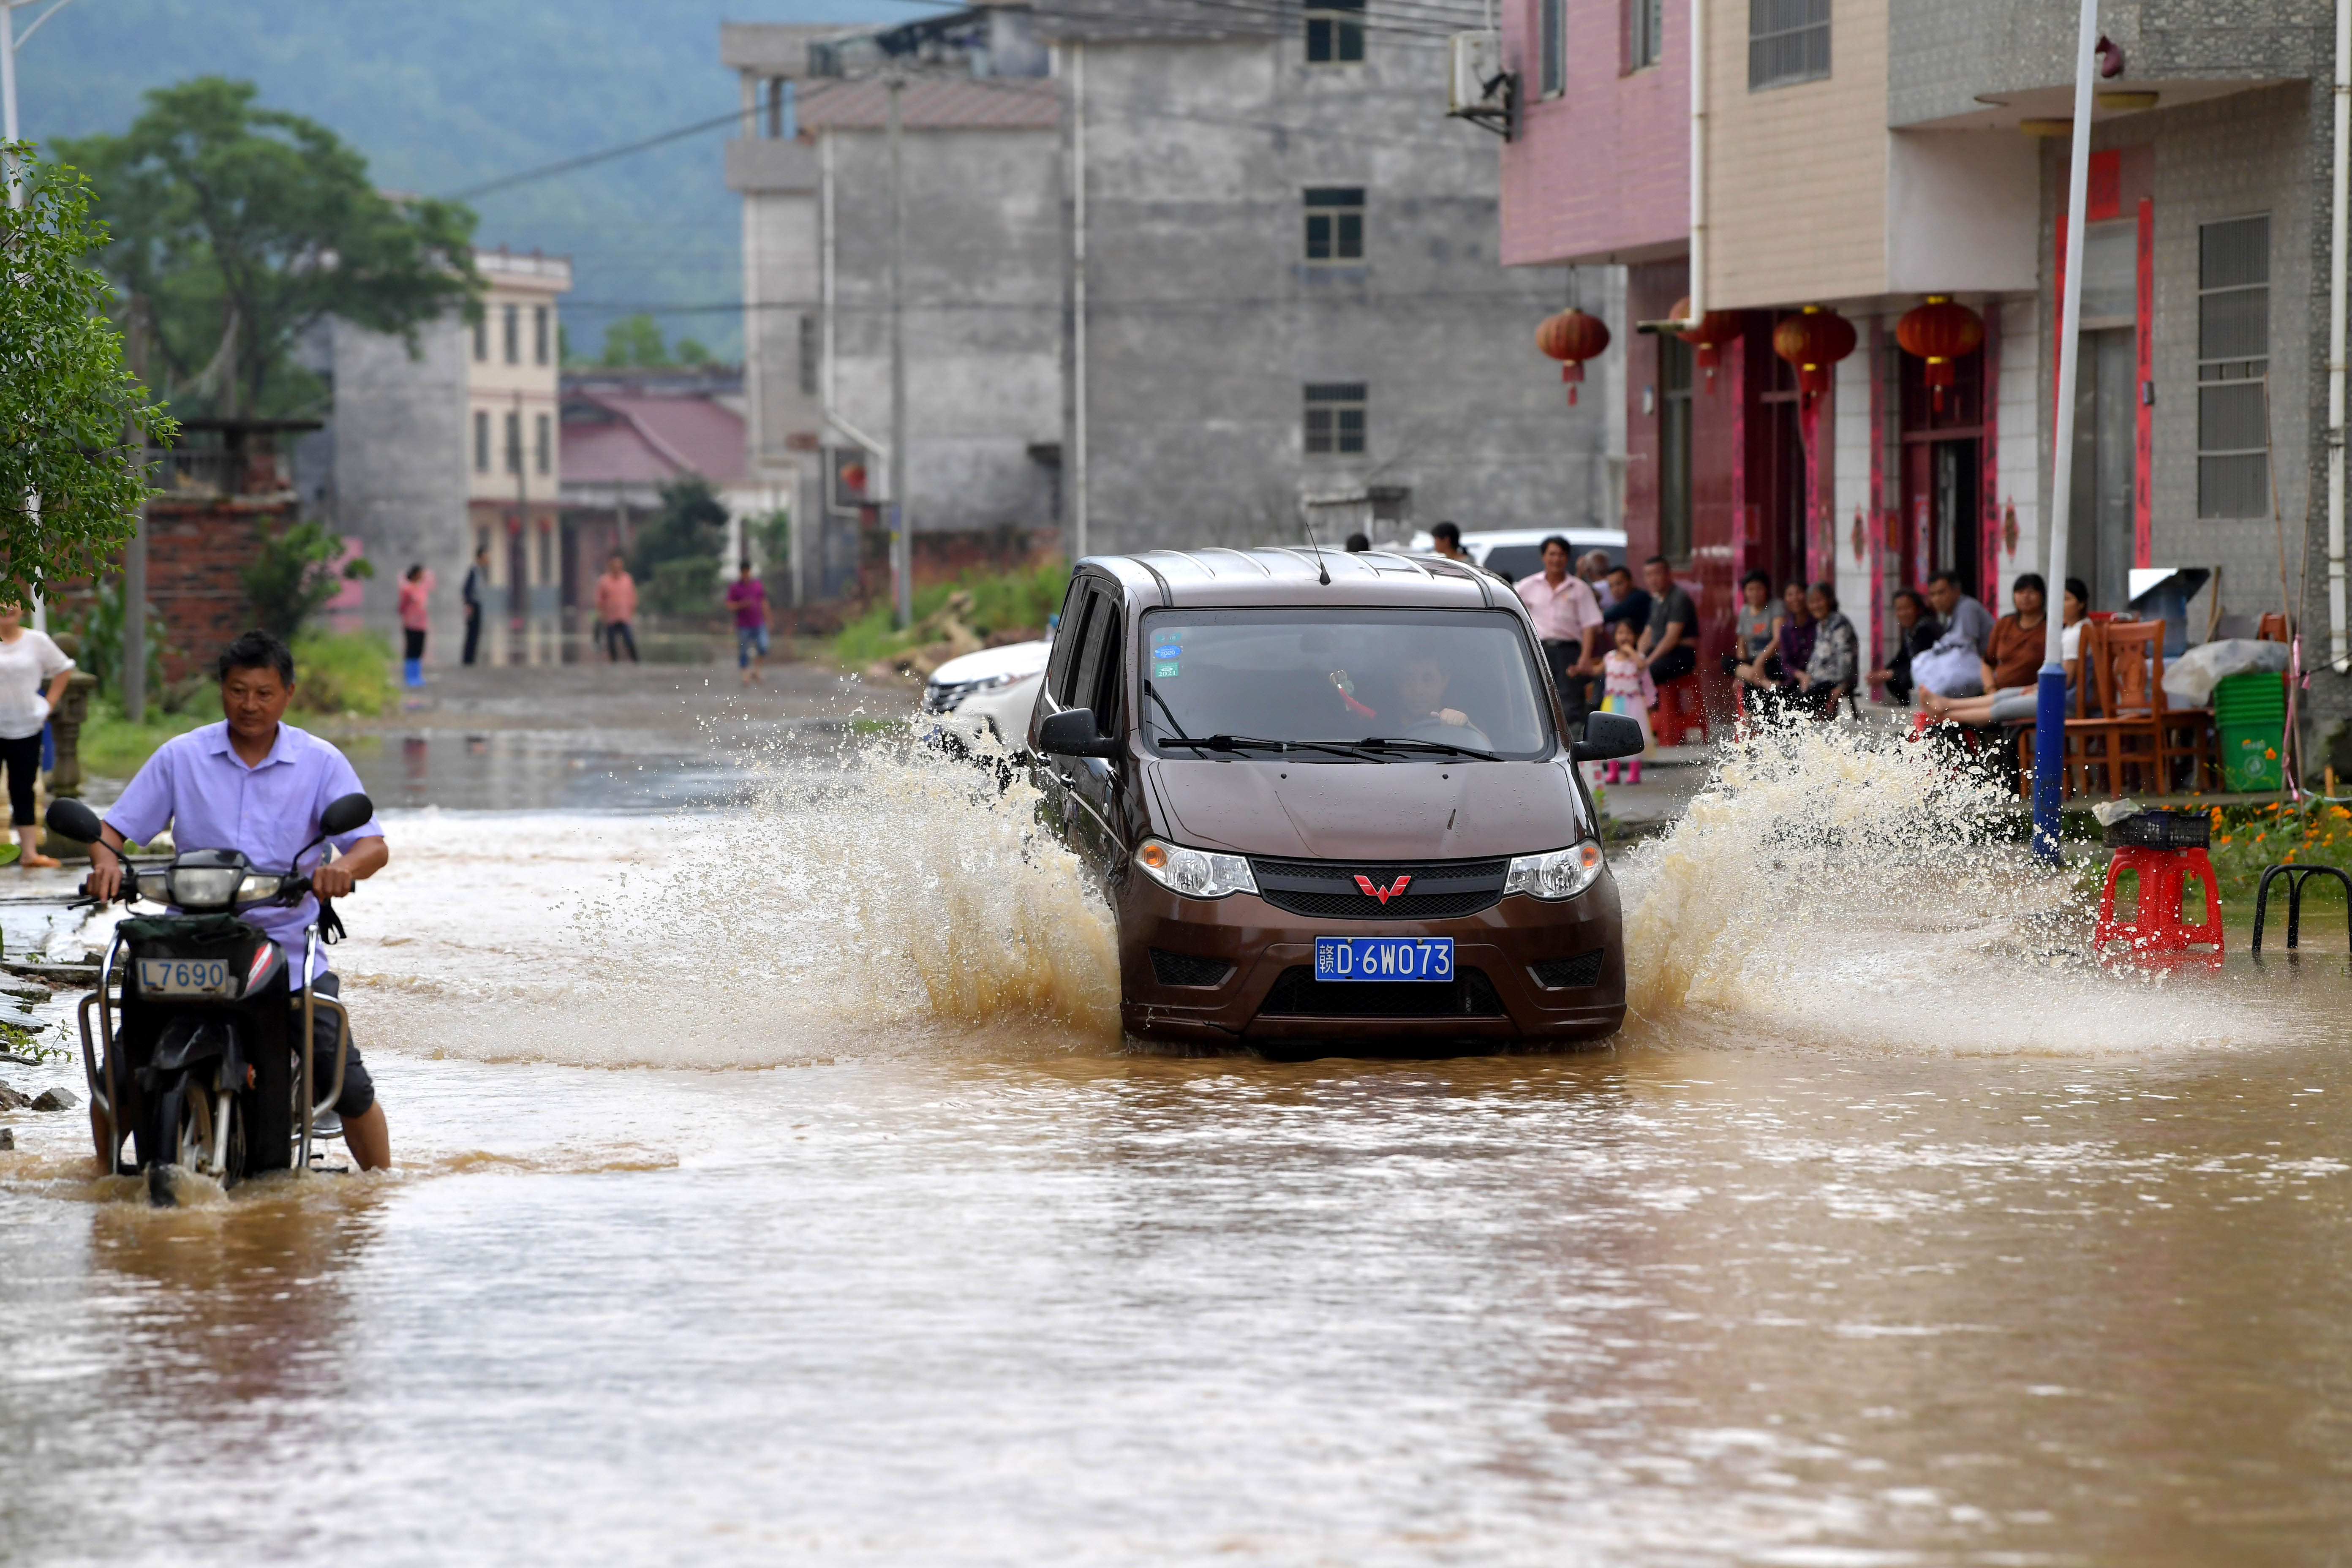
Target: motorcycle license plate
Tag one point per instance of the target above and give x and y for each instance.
(1384, 958)
(183, 977)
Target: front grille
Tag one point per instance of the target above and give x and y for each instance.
(1188, 969)
(1298, 995)
(1438, 889)
(1559, 973)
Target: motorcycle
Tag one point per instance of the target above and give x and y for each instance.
(210, 1066)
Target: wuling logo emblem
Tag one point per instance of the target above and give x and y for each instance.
(1384, 894)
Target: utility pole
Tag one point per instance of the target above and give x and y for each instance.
(902, 544)
(1078, 301)
(9, 44)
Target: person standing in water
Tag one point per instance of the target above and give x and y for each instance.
(27, 658)
(416, 588)
(617, 608)
(748, 598)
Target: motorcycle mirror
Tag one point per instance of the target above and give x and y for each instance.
(340, 818)
(69, 819)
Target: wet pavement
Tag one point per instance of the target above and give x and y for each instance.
(771, 1186)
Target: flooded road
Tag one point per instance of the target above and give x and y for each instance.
(773, 1186)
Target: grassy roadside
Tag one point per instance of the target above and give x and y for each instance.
(337, 675)
(1001, 602)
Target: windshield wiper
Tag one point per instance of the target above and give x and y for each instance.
(1256, 743)
(1155, 696)
(1440, 748)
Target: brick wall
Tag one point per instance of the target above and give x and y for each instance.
(197, 552)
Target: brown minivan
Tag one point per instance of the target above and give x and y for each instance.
(1331, 802)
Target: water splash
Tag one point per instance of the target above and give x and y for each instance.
(877, 898)
(1847, 886)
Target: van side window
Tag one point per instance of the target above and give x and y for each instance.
(1102, 624)
(1109, 683)
(1062, 665)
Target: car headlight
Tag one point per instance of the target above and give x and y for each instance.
(1562, 874)
(205, 887)
(1195, 873)
(941, 699)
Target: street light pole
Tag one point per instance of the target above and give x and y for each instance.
(9, 44)
(902, 544)
(2050, 689)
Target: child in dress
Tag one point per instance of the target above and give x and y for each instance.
(1628, 690)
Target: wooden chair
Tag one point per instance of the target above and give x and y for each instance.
(2128, 730)
(2073, 772)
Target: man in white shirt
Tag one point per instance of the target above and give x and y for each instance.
(1568, 620)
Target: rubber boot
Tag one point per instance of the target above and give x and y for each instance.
(1609, 773)
(412, 671)
(1635, 767)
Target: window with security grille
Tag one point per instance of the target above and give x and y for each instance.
(1335, 32)
(1335, 223)
(1787, 41)
(1551, 47)
(1645, 33)
(2234, 346)
(809, 356)
(1335, 418)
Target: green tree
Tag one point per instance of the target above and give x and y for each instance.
(635, 342)
(71, 475)
(236, 227)
(678, 552)
(690, 352)
(293, 573)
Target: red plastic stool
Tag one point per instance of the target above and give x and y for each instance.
(1680, 707)
(2156, 926)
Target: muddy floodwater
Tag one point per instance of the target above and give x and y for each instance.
(773, 1186)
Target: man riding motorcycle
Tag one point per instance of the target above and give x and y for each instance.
(258, 784)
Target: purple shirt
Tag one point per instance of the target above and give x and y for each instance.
(749, 597)
(197, 785)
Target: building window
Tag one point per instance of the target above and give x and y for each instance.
(1335, 223)
(482, 338)
(1674, 447)
(782, 122)
(810, 354)
(1645, 33)
(543, 445)
(1335, 32)
(514, 443)
(1551, 47)
(1335, 418)
(539, 334)
(1788, 41)
(2233, 345)
(513, 333)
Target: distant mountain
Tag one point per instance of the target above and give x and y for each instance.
(444, 94)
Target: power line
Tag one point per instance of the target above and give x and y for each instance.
(586, 159)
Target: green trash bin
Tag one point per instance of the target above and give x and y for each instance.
(2249, 715)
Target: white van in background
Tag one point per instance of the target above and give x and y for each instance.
(1517, 552)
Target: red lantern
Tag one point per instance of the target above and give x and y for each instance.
(1572, 337)
(1708, 333)
(1939, 331)
(1813, 340)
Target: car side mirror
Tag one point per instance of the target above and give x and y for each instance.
(345, 814)
(1607, 737)
(69, 819)
(1071, 733)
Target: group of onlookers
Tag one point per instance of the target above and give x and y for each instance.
(1801, 652)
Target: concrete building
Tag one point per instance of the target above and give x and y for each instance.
(1864, 156)
(514, 475)
(1176, 274)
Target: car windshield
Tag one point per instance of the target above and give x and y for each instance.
(1431, 685)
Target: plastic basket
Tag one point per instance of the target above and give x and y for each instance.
(2250, 755)
(2256, 694)
(2161, 830)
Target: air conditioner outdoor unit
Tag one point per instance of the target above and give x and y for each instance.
(1473, 60)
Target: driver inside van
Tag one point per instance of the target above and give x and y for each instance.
(1420, 692)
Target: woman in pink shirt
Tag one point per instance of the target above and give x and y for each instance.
(414, 589)
(617, 607)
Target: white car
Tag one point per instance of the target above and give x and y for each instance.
(993, 689)
(1517, 552)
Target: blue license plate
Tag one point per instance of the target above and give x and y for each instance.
(1384, 958)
